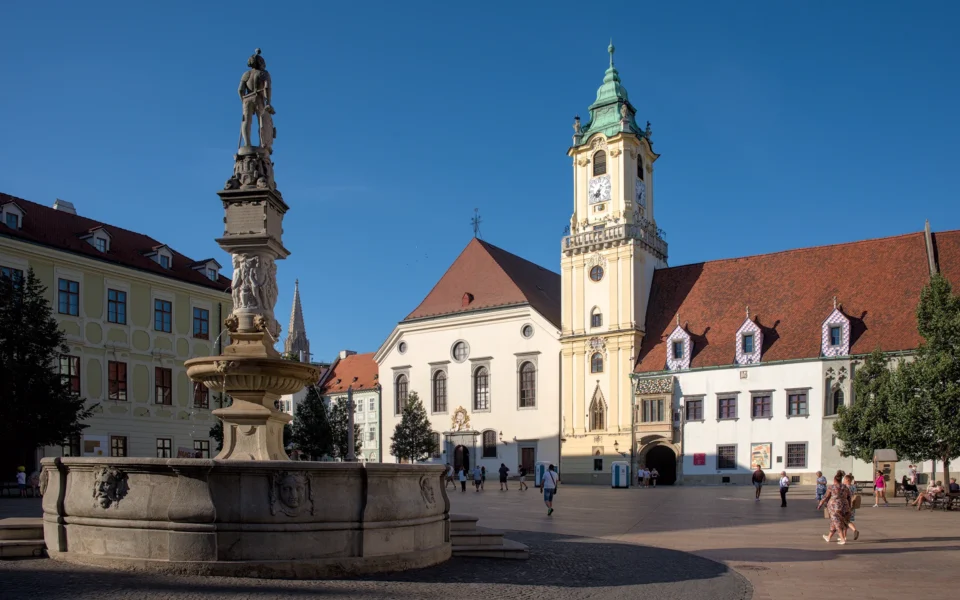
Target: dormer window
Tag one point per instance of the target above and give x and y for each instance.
(100, 243)
(209, 268)
(12, 215)
(748, 343)
(12, 220)
(678, 350)
(836, 335)
(212, 274)
(98, 237)
(164, 261)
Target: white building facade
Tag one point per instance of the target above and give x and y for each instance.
(482, 353)
(357, 374)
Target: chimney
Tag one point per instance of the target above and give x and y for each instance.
(64, 206)
(346, 353)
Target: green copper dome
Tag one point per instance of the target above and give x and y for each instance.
(612, 112)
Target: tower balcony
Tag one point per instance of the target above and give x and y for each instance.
(609, 236)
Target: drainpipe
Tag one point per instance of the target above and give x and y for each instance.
(633, 432)
(379, 422)
(559, 414)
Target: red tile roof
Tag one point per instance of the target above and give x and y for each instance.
(358, 370)
(790, 294)
(494, 278)
(62, 230)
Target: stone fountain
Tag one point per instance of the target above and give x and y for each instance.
(250, 511)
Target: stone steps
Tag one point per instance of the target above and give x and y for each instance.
(21, 538)
(466, 539)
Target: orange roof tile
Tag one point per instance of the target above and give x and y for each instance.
(358, 370)
(62, 230)
(790, 294)
(493, 278)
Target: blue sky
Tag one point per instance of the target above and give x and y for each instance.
(780, 126)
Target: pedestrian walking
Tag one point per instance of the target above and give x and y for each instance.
(22, 481)
(477, 477)
(34, 482)
(837, 500)
(821, 486)
(483, 476)
(855, 500)
(784, 488)
(646, 477)
(653, 476)
(879, 490)
(503, 478)
(449, 478)
(758, 478)
(523, 477)
(462, 475)
(548, 487)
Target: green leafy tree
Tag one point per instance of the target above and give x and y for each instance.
(339, 426)
(37, 406)
(413, 437)
(926, 401)
(312, 434)
(863, 426)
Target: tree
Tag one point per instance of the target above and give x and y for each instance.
(312, 434)
(413, 437)
(338, 426)
(38, 407)
(913, 408)
(926, 406)
(862, 426)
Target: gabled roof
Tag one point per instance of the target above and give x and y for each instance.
(65, 231)
(877, 283)
(494, 278)
(358, 370)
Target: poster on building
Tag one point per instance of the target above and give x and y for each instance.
(94, 445)
(186, 452)
(760, 455)
(699, 459)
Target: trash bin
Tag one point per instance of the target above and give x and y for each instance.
(620, 474)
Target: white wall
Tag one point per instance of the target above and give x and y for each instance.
(705, 436)
(495, 337)
(366, 416)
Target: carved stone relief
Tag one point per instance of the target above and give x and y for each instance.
(109, 486)
(426, 491)
(291, 494)
(254, 282)
(44, 481)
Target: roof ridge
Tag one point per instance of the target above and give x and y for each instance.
(804, 249)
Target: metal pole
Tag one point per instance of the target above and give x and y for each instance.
(351, 452)
(633, 432)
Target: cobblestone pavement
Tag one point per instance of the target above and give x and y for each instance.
(901, 552)
(561, 567)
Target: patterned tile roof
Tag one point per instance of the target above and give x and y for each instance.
(790, 294)
(62, 230)
(358, 370)
(491, 277)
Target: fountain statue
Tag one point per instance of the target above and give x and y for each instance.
(250, 511)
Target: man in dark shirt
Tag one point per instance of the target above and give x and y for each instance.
(758, 479)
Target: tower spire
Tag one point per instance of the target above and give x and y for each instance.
(297, 343)
(611, 49)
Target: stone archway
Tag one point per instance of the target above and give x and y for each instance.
(461, 458)
(660, 454)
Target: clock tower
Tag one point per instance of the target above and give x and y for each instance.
(607, 264)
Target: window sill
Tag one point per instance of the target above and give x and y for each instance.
(770, 418)
(481, 410)
(807, 416)
(526, 408)
(694, 421)
(830, 416)
(729, 419)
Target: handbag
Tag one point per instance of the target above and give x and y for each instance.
(856, 501)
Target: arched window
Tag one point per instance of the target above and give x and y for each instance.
(440, 392)
(481, 389)
(639, 167)
(435, 437)
(400, 392)
(596, 363)
(837, 401)
(599, 163)
(598, 420)
(490, 444)
(596, 317)
(528, 385)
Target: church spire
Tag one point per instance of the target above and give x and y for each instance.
(297, 342)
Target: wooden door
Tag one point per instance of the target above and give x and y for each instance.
(528, 457)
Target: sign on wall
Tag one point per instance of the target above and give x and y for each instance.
(760, 455)
(699, 459)
(95, 445)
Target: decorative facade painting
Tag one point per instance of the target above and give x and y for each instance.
(837, 322)
(749, 342)
(675, 362)
(760, 455)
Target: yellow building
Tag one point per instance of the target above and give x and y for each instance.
(607, 265)
(132, 309)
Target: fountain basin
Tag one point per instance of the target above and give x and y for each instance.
(280, 519)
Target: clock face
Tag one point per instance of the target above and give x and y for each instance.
(599, 189)
(641, 191)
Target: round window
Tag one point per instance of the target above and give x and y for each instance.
(402, 347)
(460, 351)
(527, 331)
(596, 273)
